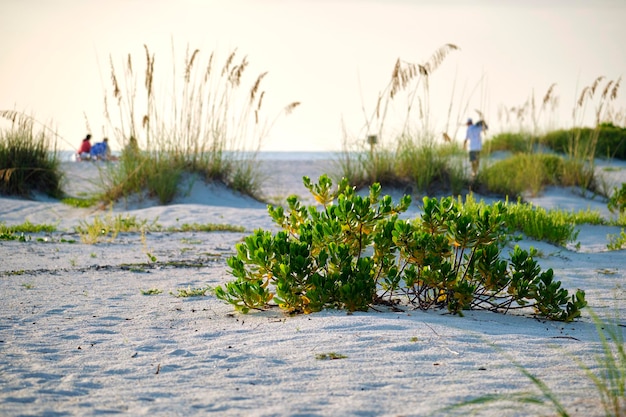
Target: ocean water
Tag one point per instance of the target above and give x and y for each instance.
(66, 156)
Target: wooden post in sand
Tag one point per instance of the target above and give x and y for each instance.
(372, 140)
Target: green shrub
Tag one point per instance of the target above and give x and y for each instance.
(610, 140)
(28, 160)
(508, 141)
(356, 252)
(617, 201)
(532, 172)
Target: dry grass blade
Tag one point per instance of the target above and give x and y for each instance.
(20, 119)
(116, 87)
(607, 90)
(149, 70)
(9, 115)
(258, 107)
(5, 174)
(616, 88)
(237, 72)
(548, 96)
(586, 92)
(228, 63)
(255, 87)
(209, 67)
(438, 57)
(395, 78)
(291, 106)
(129, 64)
(190, 64)
(595, 84)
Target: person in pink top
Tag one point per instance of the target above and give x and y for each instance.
(84, 152)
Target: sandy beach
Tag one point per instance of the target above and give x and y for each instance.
(78, 337)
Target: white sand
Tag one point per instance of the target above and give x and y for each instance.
(77, 337)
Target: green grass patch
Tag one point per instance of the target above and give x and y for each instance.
(532, 172)
(79, 202)
(151, 291)
(192, 292)
(206, 227)
(329, 356)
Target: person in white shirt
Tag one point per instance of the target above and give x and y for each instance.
(473, 137)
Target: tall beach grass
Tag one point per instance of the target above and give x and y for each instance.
(29, 160)
(410, 157)
(209, 122)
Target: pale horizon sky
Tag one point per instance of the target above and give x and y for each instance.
(332, 56)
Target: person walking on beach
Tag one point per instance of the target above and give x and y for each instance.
(474, 137)
(84, 152)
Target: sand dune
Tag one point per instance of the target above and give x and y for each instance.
(78, 337)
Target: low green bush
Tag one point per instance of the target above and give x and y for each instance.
(356, 252)
(617, 200)
(610, 140)
(509, 141)
(532, 172)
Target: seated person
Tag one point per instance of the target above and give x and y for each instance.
(84, 152)
(100, 151)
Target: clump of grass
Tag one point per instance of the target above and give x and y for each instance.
(412, 164)
(192, 292)
(554, 226)
(609, 378)
(206, 227)
(80, 202)
(27, 227)
(409, 158)
(532, 172)
(208, 123)
(515, 142)
(108, 227)
(28, 159)
(617, 241)
(151, 291)
(329, 356)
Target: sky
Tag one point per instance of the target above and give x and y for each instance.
(333, 56)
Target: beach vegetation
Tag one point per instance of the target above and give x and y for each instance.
(29, 161)
(192, 292)
(151, 291)
(329, 356)
(411, 157)
(617, 200)
(81, 202)
(416, 160)
(28, 227)
(14, 236)
(355, 252)
(617, 241)
(206, 227)
(555, 225)
(208, 121)
(530, 173)
(608, 376)
(106, 228)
